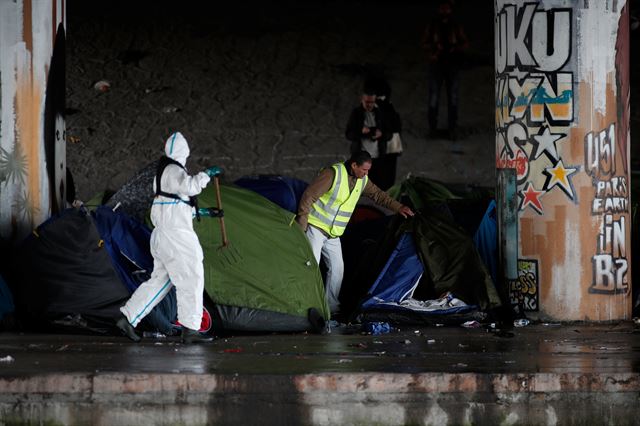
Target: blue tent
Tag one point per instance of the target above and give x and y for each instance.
(281, 190)
(399, 277)
(486, 240)
(393, 290)
(127, 242)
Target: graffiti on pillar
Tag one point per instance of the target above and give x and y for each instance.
(524, 291)
(610, 264)
(611, 191)
(534, 100)
(31, 117)
(611, 203)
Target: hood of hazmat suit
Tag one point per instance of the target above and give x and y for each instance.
(169, 212)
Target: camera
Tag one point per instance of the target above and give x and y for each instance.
(372, 132)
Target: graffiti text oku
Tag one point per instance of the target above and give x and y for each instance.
(610, 264)
(532, 39)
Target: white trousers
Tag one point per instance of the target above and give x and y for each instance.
(177, 261)
(330, 250)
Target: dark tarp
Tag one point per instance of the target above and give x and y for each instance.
(66, 277)
(451, 261)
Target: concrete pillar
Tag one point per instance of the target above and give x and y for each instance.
(562, 126)
(32, 139)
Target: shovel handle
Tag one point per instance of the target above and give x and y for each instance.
(223, 231)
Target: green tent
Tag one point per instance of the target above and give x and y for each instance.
(266, 279)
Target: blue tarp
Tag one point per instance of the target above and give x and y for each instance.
(283, 191)
(393, 289)
(400, 274)
(127, 242)
(486, 239)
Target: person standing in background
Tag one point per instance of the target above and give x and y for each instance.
(394, 123)
(368, 131)
(444, 42)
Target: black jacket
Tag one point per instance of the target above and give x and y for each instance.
(354, 129)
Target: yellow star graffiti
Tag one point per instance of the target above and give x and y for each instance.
(558, 175)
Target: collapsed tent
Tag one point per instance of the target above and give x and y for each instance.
(68, 276)
(266, 279)
(391, 296)
(422, 270)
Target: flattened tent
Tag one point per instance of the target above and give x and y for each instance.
(69, 275)
(64, 276)
(266, 279)
(390, 298)
(440, 246)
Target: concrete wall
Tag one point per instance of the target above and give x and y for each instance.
(31, 121)
(263, 87)
(562, 123)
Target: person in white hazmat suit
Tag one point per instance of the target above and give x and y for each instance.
(176, 250)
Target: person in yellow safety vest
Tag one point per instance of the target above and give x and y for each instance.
(326, 207)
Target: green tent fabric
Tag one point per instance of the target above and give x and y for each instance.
(451, 260)
(452, 263)
(422, 191)
(266, 279)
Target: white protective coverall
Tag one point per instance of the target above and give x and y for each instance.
(176, 250)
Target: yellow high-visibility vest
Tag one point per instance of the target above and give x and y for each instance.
(332, 211)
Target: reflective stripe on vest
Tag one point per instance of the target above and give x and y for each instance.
(332, 211)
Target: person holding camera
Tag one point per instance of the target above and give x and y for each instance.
(369, 131)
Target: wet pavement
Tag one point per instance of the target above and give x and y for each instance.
(543, 374)
(541, 348)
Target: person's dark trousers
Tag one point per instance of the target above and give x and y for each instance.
(449, 77)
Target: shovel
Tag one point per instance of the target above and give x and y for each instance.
(230, 254)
